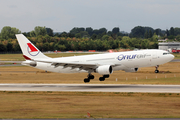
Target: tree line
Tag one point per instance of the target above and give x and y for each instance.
(79, 39)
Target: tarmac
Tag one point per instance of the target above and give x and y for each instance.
(92, 88)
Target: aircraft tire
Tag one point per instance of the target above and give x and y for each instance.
(91, 77)
(86, 80)
(106, 76)
(156, 71)
(101, 79)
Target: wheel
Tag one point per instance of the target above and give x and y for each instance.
(91, 77)
(156, 71)
(86, 80)
(101, 78)
(105, 76)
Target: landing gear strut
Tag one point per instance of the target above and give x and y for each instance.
(156, 71)
(103, 78)
(90, 76)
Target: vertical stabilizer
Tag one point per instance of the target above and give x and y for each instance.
(30, 51)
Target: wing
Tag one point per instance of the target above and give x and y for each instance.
(88, 66)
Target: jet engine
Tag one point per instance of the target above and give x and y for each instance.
(104, 70)
(131, 70)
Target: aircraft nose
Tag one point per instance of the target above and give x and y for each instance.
(172, 57)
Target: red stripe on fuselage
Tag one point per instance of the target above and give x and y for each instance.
(33, 49)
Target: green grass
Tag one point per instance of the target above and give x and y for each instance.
(177, 55)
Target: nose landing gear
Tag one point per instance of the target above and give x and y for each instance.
(156, 71)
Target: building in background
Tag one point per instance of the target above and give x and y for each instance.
(170, 46)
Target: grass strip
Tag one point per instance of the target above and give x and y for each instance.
(99, 105)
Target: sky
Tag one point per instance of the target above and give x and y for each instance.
(63, 15)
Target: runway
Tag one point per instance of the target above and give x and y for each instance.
(10, 63)
(92, 88)
(175, 60)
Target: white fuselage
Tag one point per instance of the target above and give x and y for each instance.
(121, 60)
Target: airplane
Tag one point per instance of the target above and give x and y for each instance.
(104, 64)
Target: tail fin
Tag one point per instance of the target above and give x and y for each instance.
(30, 51)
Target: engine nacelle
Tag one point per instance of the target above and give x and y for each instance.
(104, 70)
(131, 70)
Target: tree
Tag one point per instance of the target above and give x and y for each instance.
(155, 37)
(78, 35)
(157, 31)
(9, 47)
(7, 32)
(76, 30)
(89, 30)
(49, 32)
(171, 32)
(119, 38)
(171, 37)
(32, 34)
(167, 32)
(84, 34)
(45, 46)
(146, 35)
(102, 30)
(149, 29)
(61, 47)
(94, 36)
(138, 32)
(150, 34)
(2, 48)
(115, 30)
(105, 37)
(176, 31)
(178, 37)
(40, 31)
(64, 34)
(27, 34)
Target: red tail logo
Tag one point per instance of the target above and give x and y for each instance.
(32, 48)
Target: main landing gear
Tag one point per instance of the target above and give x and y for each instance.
(156, 71)
(103, 77)
(90, 76)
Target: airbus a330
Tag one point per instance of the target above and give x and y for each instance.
(103, 64)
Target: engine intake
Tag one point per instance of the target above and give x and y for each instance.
(104, 69)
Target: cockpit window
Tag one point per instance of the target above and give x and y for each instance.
(165, 53)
